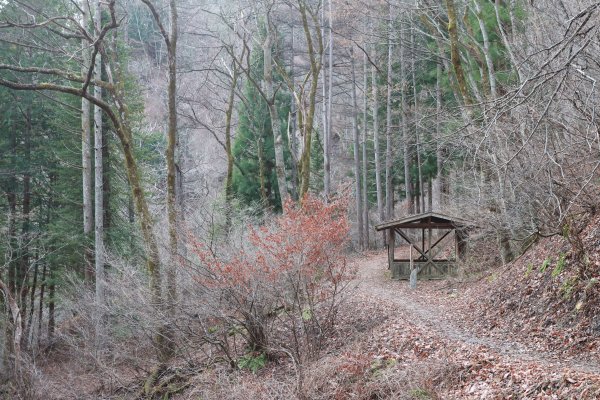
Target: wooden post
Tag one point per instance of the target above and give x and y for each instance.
(456, 246)
(429, 251)
(391, 247)
(423, 244)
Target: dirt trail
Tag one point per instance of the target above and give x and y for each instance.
(441, 319)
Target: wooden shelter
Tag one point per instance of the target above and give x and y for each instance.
(429, 248)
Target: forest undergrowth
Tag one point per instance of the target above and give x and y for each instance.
(524, 330)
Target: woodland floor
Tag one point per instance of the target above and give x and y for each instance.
(449, 339)
(441, 322)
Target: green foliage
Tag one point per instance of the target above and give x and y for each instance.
(568, 287)
(379, 365)
(529, 270)
(560, 265)
(253, 146)
(252, 361)
(421, 394)
(307, 314)
(545, 264)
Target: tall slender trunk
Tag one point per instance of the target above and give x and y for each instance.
(164, 338)
(416, 121)
(365, 166)
(228, 149)
(29, 325)
(378, 188)
(505, 39)
(327, 145)
(106, 181)
(293, 122)
(316, 60)
(486, 49)
(404, 128)
(326, 134)
(86, 157)
(11, 284)
(23, 253)
(261, 171)
(167, 346)
(455, 52)
(15, 336)
(439, 147)
(330, 90)
(51, 305)
(98, 189)
(357, 169)
(41, 304)
(389, 193)
(275, 122)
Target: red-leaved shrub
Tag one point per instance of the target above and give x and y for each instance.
(281, 291)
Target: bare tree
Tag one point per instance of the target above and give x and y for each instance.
(357, 165)
(314, 44)
(170, 36)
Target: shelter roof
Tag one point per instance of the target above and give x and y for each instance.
(429, 220)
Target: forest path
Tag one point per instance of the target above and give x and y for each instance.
(435, 312)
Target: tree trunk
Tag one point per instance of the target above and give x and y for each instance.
(455, 52)
(421, 193)
(29, 325)
(330, 89)
(17, 331)
(166, 345)
(378, 188)
(357, 169)
(430, 194)
(439, 147)
(98, 190)
(365, 165)
(404, 127)
(228, 149)
(86, 155)
(261, 171)
(326, 166)
(327, 129)
(505, 41)
(315, 59)
(486, 49)
(41, 304)
(23, 253)
(275, 122)
(389, 194)
(51, 306)
(293, 122)
(164, 338)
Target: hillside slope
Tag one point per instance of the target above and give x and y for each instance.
(485, 339)
(526, 330)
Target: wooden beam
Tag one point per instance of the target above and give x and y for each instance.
(418, 225)
(440, 239)
(403, 235)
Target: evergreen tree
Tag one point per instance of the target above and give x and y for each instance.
(253, 147)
